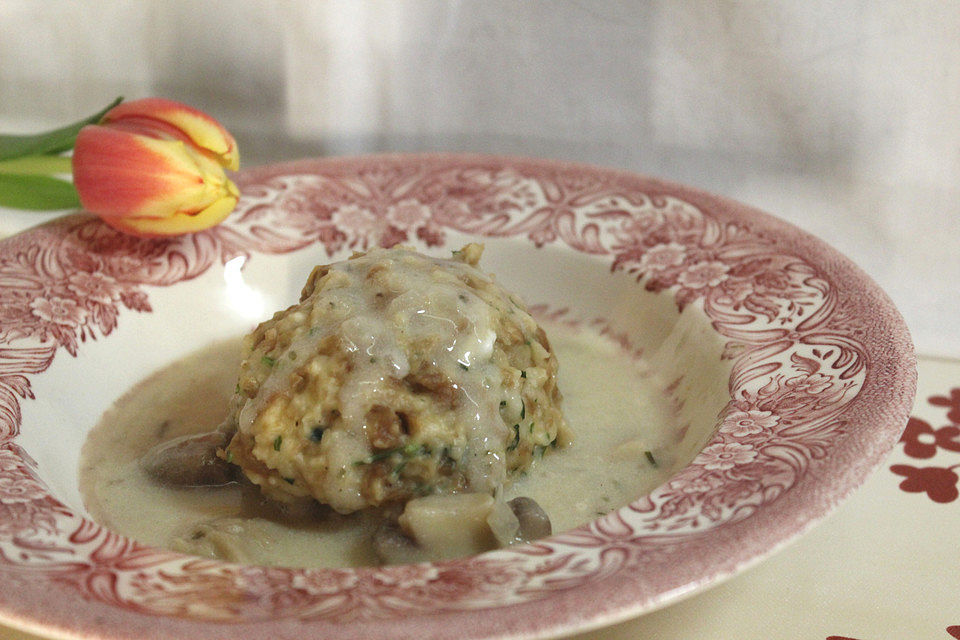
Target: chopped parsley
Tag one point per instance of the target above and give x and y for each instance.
(277, 442)
(408, 450)
(516, 438)
(651, 459)
(267, 360)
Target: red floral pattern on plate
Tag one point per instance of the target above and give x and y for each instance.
(812, 369)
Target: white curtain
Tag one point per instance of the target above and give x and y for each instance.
(840, 116)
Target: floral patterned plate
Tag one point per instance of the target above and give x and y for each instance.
(818, 375)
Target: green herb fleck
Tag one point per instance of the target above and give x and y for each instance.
(422, 489)
(408, 450)
(230, 457)
(463, 366)
(316, 435)
(523, 374)
(523, 409)
(267, 360)
(516, 438)
(446, 458)
(289, 480)
(651, 459)
(277, 442)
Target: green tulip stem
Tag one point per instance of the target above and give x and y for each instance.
(37, 165)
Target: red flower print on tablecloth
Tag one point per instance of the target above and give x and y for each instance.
(952, 401)
(953, 630)
(939, 483)
(922, 441)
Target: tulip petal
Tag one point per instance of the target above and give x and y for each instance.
(178, 224)
(121, 174)
(155, 167)
(181, 121)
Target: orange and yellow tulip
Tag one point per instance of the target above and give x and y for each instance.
(155, 167)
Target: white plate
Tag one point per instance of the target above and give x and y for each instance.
(818, 374)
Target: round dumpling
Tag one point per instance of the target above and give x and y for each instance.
(397, 375)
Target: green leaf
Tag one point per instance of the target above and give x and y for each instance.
(37, 165)
(51, 142)
(39, 193)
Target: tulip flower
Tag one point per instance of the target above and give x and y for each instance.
(150, 167)
(155, 167)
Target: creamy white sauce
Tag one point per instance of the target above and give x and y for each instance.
(626, 434)
(434, 313)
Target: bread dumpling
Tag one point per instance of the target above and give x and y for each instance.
(396, 376)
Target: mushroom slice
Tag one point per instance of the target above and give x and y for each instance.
(189, 461)
(393, 546)
(230, 539)
(533, 520)
(520, 520)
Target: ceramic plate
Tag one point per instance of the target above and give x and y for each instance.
(816, 379)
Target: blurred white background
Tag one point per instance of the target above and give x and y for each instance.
(842, 117)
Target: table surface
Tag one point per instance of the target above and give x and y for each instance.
(857, 575)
